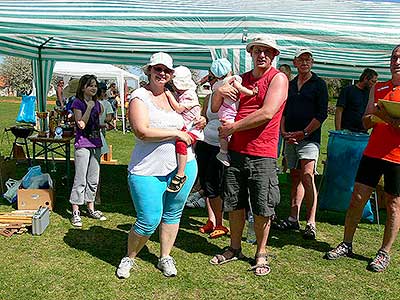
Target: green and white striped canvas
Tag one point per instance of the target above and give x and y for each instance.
(346, 36)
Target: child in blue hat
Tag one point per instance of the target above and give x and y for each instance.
(222, 69)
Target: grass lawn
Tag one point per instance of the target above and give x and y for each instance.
(69, 263)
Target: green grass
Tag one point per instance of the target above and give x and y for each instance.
(68, 263)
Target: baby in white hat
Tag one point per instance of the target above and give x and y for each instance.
(222, 69)
(188, 106)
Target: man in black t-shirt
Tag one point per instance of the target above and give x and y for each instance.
(305, 111)
(352, 102)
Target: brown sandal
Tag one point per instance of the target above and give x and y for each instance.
(176, 183)
(261, 266)
(223, 258)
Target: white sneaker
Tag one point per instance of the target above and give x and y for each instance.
(167, 266)
(193, 197)
(76, 219)
(96, 214)
(125, 267)
(224, 158)
(198, 203)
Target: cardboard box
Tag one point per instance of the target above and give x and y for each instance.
(7, 170)
(34, 198)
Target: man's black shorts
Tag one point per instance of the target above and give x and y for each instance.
(371, 170)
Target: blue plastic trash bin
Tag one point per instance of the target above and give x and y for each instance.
(345, 150)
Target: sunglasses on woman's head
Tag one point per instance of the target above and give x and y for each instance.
(160, 69)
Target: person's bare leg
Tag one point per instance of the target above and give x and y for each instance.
(236, 222)
(237, 219)
(310, 189)
(222, 155)
(135, 243)
(182, 159)
(75, 207)
(223, 145)
(392, 221)
(90, 205)
(262, 226)
(296, 193)
(210, 212)
(361, 194)
(168, 233)
(216, 208)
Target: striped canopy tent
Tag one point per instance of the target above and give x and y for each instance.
(345, 36)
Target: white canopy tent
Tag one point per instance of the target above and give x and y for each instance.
(102, 71)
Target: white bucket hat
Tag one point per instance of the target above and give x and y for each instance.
(183, 79)
(301, 51)
(159, 58)
(264, 41)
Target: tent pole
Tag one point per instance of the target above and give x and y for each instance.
(122, 100)
(377, 208)
(40, 89)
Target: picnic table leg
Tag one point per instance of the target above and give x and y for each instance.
(46, 156)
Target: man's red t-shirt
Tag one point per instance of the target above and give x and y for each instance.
(263, 140)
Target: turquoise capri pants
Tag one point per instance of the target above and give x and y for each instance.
(152, 202)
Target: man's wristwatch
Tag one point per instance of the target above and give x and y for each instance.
(305, 133)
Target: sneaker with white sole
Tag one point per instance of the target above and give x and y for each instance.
(310, 232)
(167, 266)
(341, 250)
(198, 203)
(76, 219)
(380, 262)
(96, 214)
(224, 159)
(124, 267)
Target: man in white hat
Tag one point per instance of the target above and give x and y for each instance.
(305, 111)
(251, 182)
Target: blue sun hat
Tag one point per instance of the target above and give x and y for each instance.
(220, 67)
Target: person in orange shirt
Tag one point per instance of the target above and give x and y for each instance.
(381, 157)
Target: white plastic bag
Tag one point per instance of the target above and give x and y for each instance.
(12, 189)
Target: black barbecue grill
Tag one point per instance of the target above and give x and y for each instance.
(21, 132)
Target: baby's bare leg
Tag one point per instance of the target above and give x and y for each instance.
(182, 159)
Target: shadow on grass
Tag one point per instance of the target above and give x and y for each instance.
(279, 239)
(114, 193)
(195, 243)
(108, 245)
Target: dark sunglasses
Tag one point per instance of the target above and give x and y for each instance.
(210, 77)
(160, 69)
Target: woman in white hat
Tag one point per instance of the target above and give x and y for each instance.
(153, 164)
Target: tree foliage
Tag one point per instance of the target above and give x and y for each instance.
(18, 72)
(123, 67)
